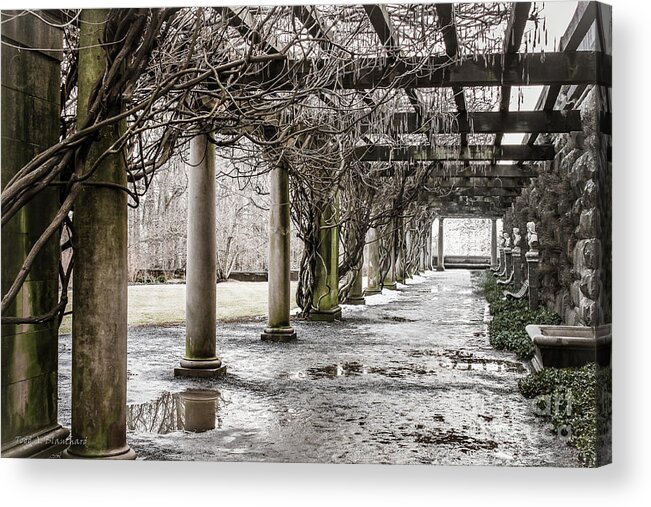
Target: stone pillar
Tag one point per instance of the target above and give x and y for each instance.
(422, 262)
(408, 265)
(278, 326)
(533, 260)
(389, 281)
(325, 302)
(399, 246)
(516, 254)
(428, 247)
(493, 243)
(508, 256)
(201, 359)
(373, 285)
(501, 267)
(356, 295)
(99, 323)
(30, 124)
(440, 264)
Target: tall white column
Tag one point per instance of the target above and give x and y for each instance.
(201, 359)
(440, 264)
(278, 327)
(373, 273)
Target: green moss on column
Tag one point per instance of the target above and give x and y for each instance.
(99, 324)
(30, 124)
(325, 302)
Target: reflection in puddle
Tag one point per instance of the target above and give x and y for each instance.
(355, 369)
(194, 410)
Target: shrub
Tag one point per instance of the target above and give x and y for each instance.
(576, 402)
(507, 329)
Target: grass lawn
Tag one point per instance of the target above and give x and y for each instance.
(165, 304)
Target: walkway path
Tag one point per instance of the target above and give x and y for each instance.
(410, 378)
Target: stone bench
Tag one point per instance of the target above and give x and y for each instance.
(520, 294)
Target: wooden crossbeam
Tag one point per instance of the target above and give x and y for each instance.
(573, 67)
(381, 22)
(446, 24)
(479, 183)
(583, 18)
(518, 152)
(465, 204)
(241, 19)
(482, 123)
(512, 41)
(494, 171)
(314, 25)
(477, 192)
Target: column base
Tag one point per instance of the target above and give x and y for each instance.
(39, 445)
(201, 368)
(372, 291)
(278, 334)
(440, 268)
(326, 315)
(390, 286)
(122, 454)
(355, 300)
(180, 371)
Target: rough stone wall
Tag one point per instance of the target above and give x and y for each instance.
(570, 202)
(30, 123)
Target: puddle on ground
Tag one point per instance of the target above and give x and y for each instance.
(463, 443)
(465, 360)
(395, 318)
(193, 410)
(355, 369)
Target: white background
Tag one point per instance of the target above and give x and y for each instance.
(625, 482)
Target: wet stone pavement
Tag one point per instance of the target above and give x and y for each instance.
(408, 378)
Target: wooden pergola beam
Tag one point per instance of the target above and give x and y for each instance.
(314, 25)
(512, 41)
(378, 152)
(476, 192)
(381, 23)
(532, 69)
(479, 183)
(583, 18)
(444, 12)
(483, 123)
(241, 19)
(493, 171)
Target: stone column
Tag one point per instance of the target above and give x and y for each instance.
(516, 254)
(389, 281)
(356, 295)
(325, 302)
(399, 246)
(99, 323)
(533, 260)
(422, 262)
(278, 326)
(493, 243)
(373, 285)
(508, 256)
(440, 260)
(408, 265)
(429, 256)
(30, 77)
(200, 359)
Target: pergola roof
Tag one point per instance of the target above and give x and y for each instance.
(432, 56)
